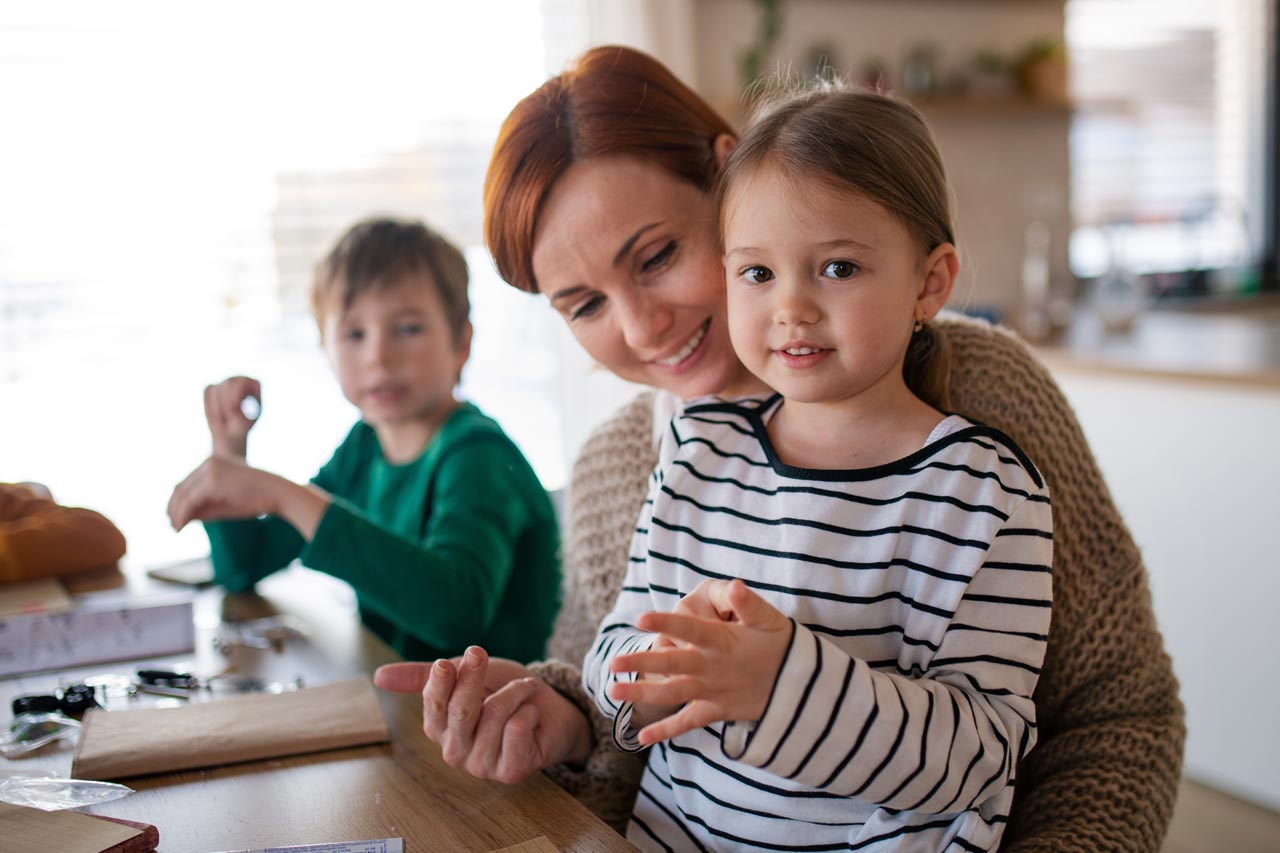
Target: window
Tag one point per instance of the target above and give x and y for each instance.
(1172, 152)
(170, 174)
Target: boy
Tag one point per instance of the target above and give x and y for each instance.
(427, 509)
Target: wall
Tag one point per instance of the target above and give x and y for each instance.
(1193, 467)
(1008, 165)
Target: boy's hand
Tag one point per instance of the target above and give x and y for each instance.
(224, 410)
(719, 668)
(222, 488)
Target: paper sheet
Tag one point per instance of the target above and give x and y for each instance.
(381, 845)
(25, 828)
(137, 742)
(42, 596)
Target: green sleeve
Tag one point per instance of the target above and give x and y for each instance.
(246, 551)
(445, 587)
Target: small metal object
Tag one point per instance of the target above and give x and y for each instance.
(40, 703)
(167, 678)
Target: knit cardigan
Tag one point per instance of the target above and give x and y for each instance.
(1105, 772)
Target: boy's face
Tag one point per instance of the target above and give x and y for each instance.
(395, 356)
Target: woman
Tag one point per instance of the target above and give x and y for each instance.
(598, 196)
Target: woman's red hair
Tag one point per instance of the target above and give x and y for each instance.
(612, 101)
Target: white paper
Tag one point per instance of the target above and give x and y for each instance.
(380, 845)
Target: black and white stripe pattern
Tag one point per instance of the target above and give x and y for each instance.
(920, 593)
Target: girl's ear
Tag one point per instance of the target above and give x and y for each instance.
(722, 145)
(940, 270)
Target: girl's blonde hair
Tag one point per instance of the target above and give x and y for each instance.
(877, 147)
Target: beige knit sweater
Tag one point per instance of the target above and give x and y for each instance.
(1105, 771)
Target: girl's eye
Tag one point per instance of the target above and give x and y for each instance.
(840, 269)
(659, 258)
(586, 308)
(757, 275)
(353, 335)
(409, 329)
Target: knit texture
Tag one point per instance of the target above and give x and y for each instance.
(1105, 772)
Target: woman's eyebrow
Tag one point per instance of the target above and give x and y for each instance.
(631, 242)
(627, 246)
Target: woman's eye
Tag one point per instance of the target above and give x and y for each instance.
(353, 335)
(586, 308)
(660, 257)
(757, 275)
(840, 269)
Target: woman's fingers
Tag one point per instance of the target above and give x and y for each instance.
(486, 757)
(520, 756)
(464, 707)
(435, 699)
(407, 677)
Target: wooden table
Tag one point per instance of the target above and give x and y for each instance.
(401, 789)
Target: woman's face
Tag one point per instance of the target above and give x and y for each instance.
(626, 253)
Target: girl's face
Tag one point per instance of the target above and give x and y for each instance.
(626, 253)
(824, 288)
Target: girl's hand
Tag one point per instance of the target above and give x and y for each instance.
(224, 406)
(222, 488)
(492, 718)
(720, 668)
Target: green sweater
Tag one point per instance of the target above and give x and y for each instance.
(457, 547)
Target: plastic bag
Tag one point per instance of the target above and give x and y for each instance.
(31, 731)
(52, 794)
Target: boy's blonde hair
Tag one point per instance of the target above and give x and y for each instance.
(384, 252)
(877, 147)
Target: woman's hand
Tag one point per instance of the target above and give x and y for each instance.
(224, 409)
(492, 718)
(720, 666)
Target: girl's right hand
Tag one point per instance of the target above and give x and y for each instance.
(228, 424)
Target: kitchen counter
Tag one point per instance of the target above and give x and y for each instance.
(1240, 346)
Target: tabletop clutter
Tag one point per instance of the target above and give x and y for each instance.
(197, 720)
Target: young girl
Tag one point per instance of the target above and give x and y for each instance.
(838, 596)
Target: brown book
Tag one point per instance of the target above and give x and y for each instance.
(25, 828)
(147, 839)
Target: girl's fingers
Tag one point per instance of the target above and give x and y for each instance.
(672, 691)
(678, 626)
(752, 610)
(693, 716)
(666, 661)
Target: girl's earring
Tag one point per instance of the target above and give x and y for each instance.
(918, 326)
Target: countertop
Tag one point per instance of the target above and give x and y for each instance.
(1239, 345)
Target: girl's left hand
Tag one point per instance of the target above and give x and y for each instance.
(719, 669)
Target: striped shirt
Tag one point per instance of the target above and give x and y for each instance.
(919, 593)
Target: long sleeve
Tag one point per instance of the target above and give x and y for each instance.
(444, 585)
(617, 634)
(608, 484)
(245, 551)
(1104, 775)
(40, 538)
(940, 741)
